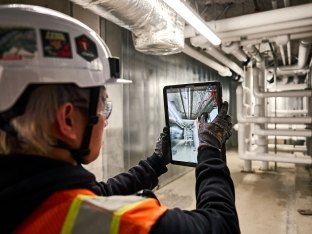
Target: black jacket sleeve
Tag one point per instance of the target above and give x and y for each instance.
(143, 176)
(215, 201)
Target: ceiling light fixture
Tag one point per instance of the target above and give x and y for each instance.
(190, 16)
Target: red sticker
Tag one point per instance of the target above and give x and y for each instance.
(55, 44)
(86, 48)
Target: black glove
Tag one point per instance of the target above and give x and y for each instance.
(215, 134)
(162, 146)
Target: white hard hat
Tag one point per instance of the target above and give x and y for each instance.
(43, 46)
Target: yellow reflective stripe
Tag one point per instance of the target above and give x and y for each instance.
(114, 228)
(72, 213)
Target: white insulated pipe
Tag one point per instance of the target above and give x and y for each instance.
(262, 18)
(292, 93)
(222, 70)
(215, 53)
(304, 50)
(266, 28)
(235, 49)
(252, 119)
(285, 158)
(269, 34)
(254, 52)
(288, 148)
(281, 132)
(284, 87)
(289, 52)
(248, 156)
(282, 51)
(295, 36)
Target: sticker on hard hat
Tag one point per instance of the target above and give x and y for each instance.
(17, 43)
(55, 44)
(86, 48)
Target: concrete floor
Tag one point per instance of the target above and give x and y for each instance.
(267, 201)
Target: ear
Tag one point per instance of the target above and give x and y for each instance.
(67, 122)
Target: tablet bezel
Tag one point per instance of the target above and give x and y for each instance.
(188, 85)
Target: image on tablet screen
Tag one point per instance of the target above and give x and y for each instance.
(185, 107)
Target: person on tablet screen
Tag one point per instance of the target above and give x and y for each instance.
(53, 111)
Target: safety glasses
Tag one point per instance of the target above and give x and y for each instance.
(105, 107)
(108, 109)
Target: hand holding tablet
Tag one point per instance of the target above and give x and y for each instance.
(185, 106)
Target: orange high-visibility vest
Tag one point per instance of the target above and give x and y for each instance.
(81, 211)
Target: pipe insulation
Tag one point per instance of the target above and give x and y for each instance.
(262, 18)
(222, 70)
(281, 132)
(218, 55)
(253, 119)
(258, 75)
(156, 28)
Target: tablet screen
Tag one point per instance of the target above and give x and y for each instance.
(184, 105)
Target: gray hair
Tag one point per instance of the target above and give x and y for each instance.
(34, 125)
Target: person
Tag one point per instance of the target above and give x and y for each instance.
(53, 112)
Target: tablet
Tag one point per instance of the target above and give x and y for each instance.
(184, 105)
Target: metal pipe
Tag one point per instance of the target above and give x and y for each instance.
(262, 18)
(284, 87)
(292, 93)
(286, 158)
(223, 59)
(281, 47)
(254, 52)
(234, 49)
(289, 52)
(222, 70)
(269, 34)
(281, 132)
(266, 28)
(304, 50)
(288, 148)
(251, 119)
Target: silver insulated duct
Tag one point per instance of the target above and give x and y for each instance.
(156, 28)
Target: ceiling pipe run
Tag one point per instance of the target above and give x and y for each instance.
(260, 40)
(266, 28)
(262, 18)
(218, 55)
(222, 70)
(156, 28)
(268, 34)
